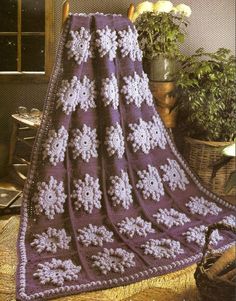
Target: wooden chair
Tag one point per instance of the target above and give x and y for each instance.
(66, 10)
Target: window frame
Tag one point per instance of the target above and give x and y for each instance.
(33, 76)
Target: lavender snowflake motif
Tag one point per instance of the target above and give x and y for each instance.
(68, 95)
(136, 89)
(93, 235)
(55, 145)
(51, 240)
(131, 226)
(110, 91)
(157, 135)
(86, 94)
(150, 183)
(229, 220)
(113, 260)
(115, 140)
(140, 136)
(50, 198)
(174, 175)
(170, 217)
(145, 90)
(128, 44)
(87, 194)
(131, 90)
(84, 143)
(56, 272)
(162, 248)
(197, 234)
(198, 205)
(79, 45)
(120, 190)
(106, 42)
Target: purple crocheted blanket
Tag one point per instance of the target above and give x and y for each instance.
(108, 200)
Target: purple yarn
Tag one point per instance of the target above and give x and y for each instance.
(108, 200)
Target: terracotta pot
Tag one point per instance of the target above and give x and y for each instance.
(163, 94)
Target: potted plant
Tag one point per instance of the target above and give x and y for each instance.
(207, 113)
(161, 29)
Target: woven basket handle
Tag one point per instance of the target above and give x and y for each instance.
(211, 228)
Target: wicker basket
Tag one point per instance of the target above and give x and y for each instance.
(201, 155)
(216, 288)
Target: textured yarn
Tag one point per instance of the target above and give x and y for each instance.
(108, 199)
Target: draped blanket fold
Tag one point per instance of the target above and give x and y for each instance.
(108, 199)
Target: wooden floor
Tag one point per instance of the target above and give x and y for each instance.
(178, 286)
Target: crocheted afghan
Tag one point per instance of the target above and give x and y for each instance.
(108, 199)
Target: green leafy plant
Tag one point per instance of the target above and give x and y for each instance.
(207, 96)
(161, 33)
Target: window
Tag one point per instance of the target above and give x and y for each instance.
(26, 39)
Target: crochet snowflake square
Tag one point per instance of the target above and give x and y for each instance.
(106, 42)
(113, 260)
(229, 220)
(56, 272)
(197, 234)
(68, 97)
(55, 146)
(131, 90)
(93, 235)
(140, 136)
(157, 134)
(128, 44)
(162, 248)
(150, 183)
(120, 190)
(198, 205)
(76, 92)
(136, 89)
(51, 240)
(50, 198)
(87, 194)
(84, 143)
(174, 175)
(115, 140)
(79, 45)
(86, 93)
(170, 217)
(145, 91)
(131, 226)
(110, 91)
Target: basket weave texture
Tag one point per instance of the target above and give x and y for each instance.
(201, 155)
(216, 289)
